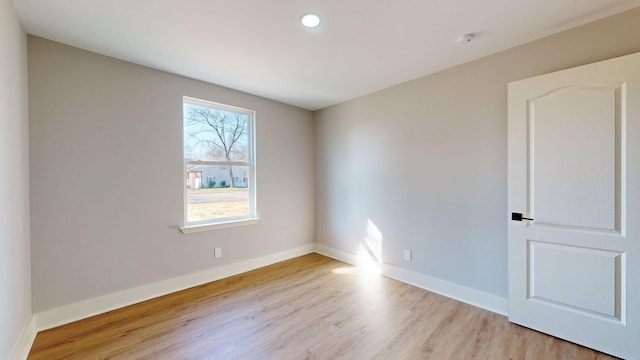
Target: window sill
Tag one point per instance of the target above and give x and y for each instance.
(207, 227)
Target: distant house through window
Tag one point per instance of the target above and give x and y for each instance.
(219, 168)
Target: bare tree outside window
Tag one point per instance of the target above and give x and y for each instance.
(217, 135)
(218, 162)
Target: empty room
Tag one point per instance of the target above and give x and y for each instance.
(319, 179)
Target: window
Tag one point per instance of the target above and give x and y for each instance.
(219, 165)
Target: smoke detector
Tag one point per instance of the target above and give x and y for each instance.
(466, 38)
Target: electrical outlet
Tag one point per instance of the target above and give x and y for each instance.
(217, 252)
(407, 255)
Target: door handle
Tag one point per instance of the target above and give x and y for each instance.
(519, 217)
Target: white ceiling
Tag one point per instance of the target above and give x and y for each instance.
(259, 46)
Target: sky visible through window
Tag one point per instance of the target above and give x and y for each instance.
(212, 134)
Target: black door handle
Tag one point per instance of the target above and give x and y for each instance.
(518, 217)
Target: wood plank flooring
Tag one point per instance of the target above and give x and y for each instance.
(310, 307)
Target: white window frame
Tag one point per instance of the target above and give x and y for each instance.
(223, 222)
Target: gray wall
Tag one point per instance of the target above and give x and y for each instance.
(426, 161)
(15, 272)
(106, 177)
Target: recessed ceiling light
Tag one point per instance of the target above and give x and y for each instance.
(311, 20)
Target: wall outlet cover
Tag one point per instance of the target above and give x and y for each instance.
(407, 255)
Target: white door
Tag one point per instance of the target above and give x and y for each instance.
(574, 169)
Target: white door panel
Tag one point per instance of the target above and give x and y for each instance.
(574, 167)
(568, 275)
(588, 117)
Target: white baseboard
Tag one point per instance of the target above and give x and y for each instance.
(25, 341)
(455, 291)
(84, 309)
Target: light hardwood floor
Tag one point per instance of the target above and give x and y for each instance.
(310, 307)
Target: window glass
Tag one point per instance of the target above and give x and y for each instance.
(218, 162)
